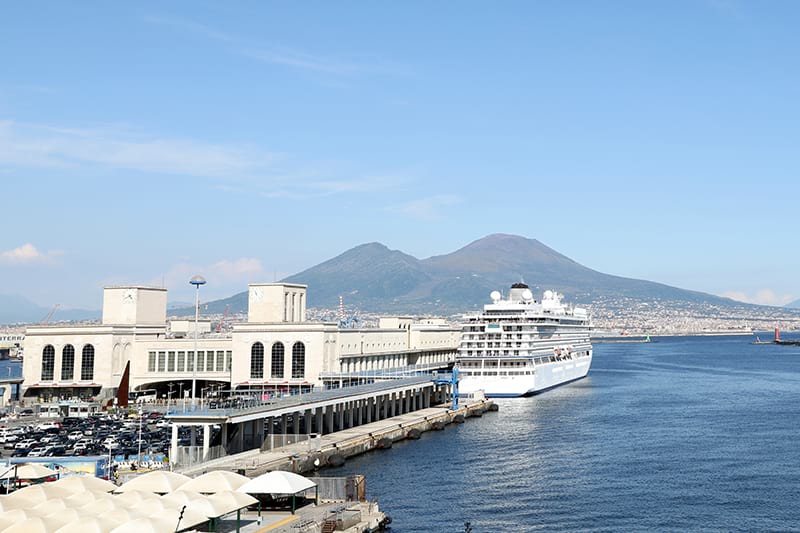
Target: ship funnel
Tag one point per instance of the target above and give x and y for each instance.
(777, 334)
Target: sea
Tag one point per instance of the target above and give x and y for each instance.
(679, 434)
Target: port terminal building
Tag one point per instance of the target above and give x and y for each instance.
(135, 351)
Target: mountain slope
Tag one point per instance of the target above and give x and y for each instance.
(373, 278)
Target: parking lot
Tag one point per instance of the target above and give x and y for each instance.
(99, 434)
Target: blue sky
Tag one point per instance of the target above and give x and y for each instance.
(247, 141)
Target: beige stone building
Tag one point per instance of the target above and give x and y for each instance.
(275, 351)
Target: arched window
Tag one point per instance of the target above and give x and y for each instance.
(257, 361)
(48, 362)
(277, 360)
(298, 360)
(87, 363)
(68, 363)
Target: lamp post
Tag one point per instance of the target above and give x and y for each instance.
(141, 415)
(196, 281)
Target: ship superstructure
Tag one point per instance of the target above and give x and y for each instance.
(518, 346)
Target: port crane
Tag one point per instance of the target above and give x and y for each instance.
(46, 320)
(224, 318)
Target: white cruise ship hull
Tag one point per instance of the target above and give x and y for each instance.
(546, 376)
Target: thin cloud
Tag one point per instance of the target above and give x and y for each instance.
(223, 276)
(236, 168)
(281, 56)
(28, 254)
(300, 60)
(47, 146)
(760, 297)
(429, 208)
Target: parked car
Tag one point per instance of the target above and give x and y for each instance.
(27, 443)
(21, 452)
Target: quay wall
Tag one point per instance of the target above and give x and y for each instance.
(338, 447)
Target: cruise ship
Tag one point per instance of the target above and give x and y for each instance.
(519, 346)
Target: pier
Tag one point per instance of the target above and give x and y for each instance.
(253, 427)
(333, 449)
(777, 340)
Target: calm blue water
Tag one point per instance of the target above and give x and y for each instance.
(680, 434)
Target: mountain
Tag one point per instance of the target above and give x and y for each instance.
(16, 309)
(373, 278)
(793, 305)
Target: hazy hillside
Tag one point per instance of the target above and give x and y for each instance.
(16, 309)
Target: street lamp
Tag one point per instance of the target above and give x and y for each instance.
(141, 415)
(196, 281)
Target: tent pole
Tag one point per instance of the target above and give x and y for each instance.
(238, 519)
(292, 503)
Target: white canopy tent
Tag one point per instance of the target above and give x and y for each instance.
(84, 482)
(157, 481)
(216, 481)
(280, 483)
(94, 524)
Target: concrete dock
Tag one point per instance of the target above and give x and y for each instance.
(334, 448)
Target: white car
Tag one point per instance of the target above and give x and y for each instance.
(44, 426)
(6, 437)
(27, 443)
(39, 452)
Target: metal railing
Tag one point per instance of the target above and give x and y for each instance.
(252, 404)
(192, 455)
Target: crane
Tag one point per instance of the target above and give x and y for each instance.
(46, 319)
(224, 317)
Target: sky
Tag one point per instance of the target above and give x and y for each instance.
(146, 142)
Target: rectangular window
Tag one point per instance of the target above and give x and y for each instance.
(181, 361)
(189, 361)
(162, 361)
(171, 361)
(200, 361)
(228, 360)
(151, 362)
(209, 361)
(220, 361)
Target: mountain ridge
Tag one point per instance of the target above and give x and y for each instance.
(374, 278)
